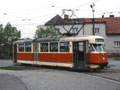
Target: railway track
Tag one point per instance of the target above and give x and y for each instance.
(112, 75)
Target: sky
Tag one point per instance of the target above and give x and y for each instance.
(27, 14)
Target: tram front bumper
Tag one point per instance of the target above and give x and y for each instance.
(92, 66)
(97, 66)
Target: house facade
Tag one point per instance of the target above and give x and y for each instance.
(107, 27)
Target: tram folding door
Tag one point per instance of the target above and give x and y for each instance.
(15, 53)
(79, 50)
(36, 52)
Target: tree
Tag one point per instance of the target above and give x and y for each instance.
(8, 35)
(44, 33)
(1, 37)
(11, 33)
(1, 34)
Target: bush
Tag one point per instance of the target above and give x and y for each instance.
(117, 58)
(5, 57)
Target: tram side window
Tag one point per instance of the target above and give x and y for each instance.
(44, 47)
(64, 47)
(81, 46)
(27, 47)
(21, 47)
(53, 47)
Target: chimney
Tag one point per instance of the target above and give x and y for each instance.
(102, 16)
(111, 16)
(66, 16)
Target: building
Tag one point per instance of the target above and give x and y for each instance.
(108, 27)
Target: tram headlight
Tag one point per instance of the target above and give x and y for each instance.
(103, 57)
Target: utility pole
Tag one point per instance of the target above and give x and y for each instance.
(93, 19)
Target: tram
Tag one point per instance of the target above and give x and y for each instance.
(85, 52)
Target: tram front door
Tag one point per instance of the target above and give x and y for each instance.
(36, 52)
(79, 50)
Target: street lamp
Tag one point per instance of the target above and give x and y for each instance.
(93, 19)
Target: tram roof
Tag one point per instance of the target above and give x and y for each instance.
(22, 41)
(63, 38)
(67, 38)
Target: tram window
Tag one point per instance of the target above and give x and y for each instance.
(99, 40)
(21, 47)
(81, 46)
(99, 47)
(44, 47)
(91, 48)
(64, 47)
(27, 47)
(53, 47)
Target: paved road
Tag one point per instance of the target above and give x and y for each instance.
(115, 64)
(54, 79)
(10, 82)
(50, 79)
(7, 62)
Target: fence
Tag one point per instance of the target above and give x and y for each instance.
(5, 55)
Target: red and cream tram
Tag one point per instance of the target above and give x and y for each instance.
(74, 52)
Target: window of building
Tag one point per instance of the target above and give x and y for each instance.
(74, 30)
(27, 47)
(64, 47)
(97, 30)
(21, 47)
(44, 47)
(116, 44)
(54, 47)
(57, 30)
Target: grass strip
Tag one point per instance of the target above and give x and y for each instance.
(19, 68)
(117, 59)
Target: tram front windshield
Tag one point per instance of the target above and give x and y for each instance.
(96, 47)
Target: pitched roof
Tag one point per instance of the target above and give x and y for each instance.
(112, 23)
(57, 20)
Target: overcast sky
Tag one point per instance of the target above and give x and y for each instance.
(27, 14)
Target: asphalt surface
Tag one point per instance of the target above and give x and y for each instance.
(10, 82)
(59, 79)
(7, 62)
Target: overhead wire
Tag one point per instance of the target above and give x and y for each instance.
(76, 8)
(82, 5)
(42, 15)
(36, 17)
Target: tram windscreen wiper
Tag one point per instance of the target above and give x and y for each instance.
(91, 48)
(98, 47)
